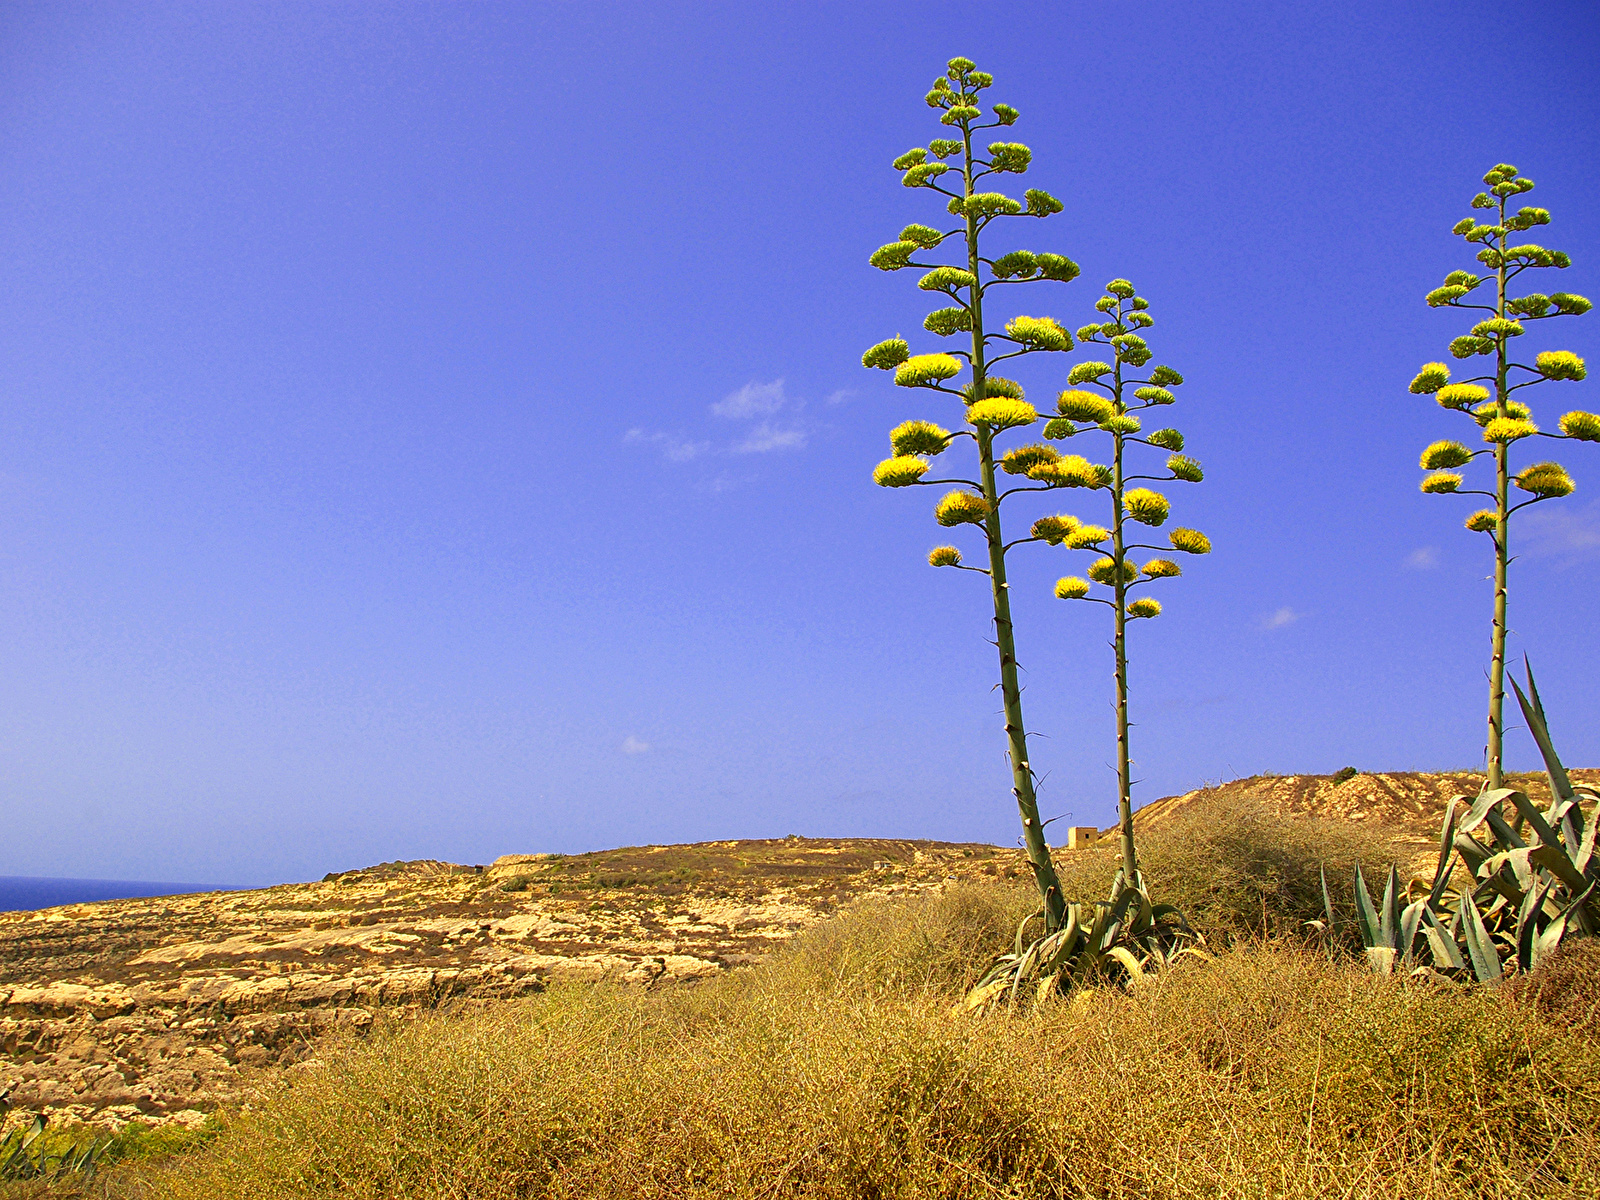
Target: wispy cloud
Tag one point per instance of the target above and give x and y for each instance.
(632, 745)
(1277, 620)
(840, 396)
(767, 436)
(1562, 531)
(752, 400)
(673, 447)
(1424, 558)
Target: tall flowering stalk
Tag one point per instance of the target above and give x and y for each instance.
(990, 405)
(1491, 400)
(1113, 408)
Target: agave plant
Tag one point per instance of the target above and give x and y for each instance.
(989, 405)
(1530, 881)
(1497, 399)
(24, 1156)
(1118, 941)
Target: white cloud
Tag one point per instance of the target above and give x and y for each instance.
(1277, 620)
(766, 437)
(1560, 531)
(841, 395)
(752, 400)
(675, 448)
(1424, 558)
(632, 745)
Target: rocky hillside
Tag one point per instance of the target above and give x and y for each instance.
(167, 1007)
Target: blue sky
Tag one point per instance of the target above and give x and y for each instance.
(439, 430)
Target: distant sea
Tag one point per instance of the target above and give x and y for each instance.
(24, 892)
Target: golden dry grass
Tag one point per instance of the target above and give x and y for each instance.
(837, 1071)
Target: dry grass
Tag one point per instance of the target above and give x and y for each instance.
(837, 1070)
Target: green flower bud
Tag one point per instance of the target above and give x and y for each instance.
(1124, 423)
(1185, 469)
(1071, 588)
(1084, 406)
(1162, 568)
(1545, 480)
(1057, 428)
(1431, 378)
(1019, 264)
(1445, 454)
(1466, 346)
(1464, 279)
(1145, 606)
(1165, 377)
(944, 556)
(1584, 426)
(1460, 395)
(1570, 304)
(980, 79)
(1039, 333)
(1088, 370)
(901, 471)
(962, 112)
(1532, 305)
(1005, 114)
(919, 437)
(946, 321)
(1441, 481)
(1140, 320)
(1053, 529)
(923, 370)
(919, 176)
(887, 355)
(946, 279)
(1166, 439)
(1444, 295)
(962, 508)
(1002, 413)
(1501, 171)
(1085, 537)
(1155, 395)
(1010, 156)
(1464, 226)
(1041, 203)
(1482, 200)
(1489, 410)
(1104, 570)
(921, 236)
(1482, 521)
(1190, 541)
(960, 66)
(990, 204)
(993, 386)
(1560, 364)
(911, 158)
(1529, 217)
(893, 256)
(1508, 429)
(1120, 288)
(1497, 327)
(1025, 458)
(1089, 332)
(1145, 506)
(1057, 266)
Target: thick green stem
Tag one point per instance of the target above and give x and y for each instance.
(1497, 658)
(1124, 782)
(1044, 871)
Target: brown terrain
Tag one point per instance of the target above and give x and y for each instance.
(165, 1008)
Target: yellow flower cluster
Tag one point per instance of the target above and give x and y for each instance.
(944, 556)
(1002, 413)
(1545, 480)
(1190, 541)
(1145, 607)
(1078, 405)
(1146, 506)
(1071, 588)
(961, 508)
(1055, 528)
(1441, 481)
(921, 370)
(1162, 568)
(901, 471)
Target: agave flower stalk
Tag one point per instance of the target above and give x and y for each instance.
(990, 405)
(1113, 408)
(1491, 400)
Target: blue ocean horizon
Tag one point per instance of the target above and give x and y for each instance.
(21, 893)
